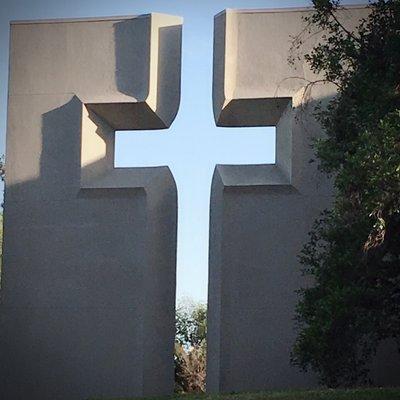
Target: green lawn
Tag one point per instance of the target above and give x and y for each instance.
(354, 394)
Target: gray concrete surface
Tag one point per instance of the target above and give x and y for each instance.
(88, 281)
(260, 215)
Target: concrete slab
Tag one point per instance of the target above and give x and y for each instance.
(88, 281)
(260, 214)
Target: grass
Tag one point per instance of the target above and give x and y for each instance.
(330, 394)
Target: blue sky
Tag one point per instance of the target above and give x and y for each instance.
(193, 144)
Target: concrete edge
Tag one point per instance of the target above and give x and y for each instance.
(86, 19)
(282, 10)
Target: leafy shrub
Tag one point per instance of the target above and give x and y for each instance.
(353, 253)
(190, 347)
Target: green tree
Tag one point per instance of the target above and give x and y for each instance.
(353, 253)
(190, 347)
(191, 324)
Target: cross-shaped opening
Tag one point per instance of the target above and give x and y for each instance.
(192, 149)
(192, 154)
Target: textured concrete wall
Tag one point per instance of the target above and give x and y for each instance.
(260, 215)
(88, 280)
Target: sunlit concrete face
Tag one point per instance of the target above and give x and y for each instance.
(260, 215)
(88, 280)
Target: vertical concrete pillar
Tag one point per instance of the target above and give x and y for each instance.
(88, 281)
(261, 214)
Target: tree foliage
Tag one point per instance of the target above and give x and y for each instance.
(353, 253)
(190, 347)
(191, 324)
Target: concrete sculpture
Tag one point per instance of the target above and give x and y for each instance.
(88, 285)
(260, 215)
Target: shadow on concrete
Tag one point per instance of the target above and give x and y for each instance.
(77, 305)
(129, 53)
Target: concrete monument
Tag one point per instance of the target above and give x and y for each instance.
(260, 215)
(88, 282)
